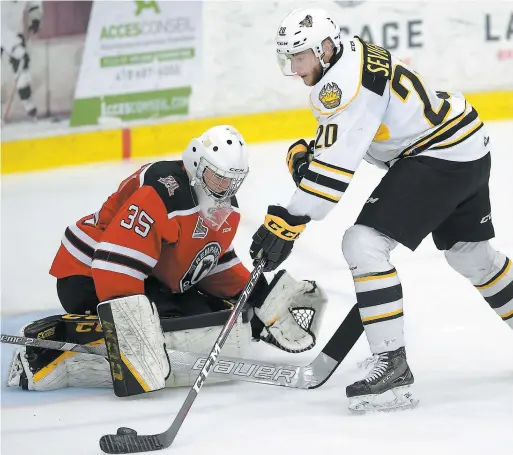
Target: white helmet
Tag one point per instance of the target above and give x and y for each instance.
(304, 29)
(217, 164)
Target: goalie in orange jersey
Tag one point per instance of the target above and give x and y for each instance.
(159, 255)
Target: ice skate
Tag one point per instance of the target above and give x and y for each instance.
(386, 387)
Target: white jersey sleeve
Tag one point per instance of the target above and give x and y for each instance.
(349, 118)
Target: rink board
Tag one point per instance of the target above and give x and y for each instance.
(170, 138)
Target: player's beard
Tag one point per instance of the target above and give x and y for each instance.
(213, 211)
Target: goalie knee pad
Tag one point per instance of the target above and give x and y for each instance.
(135, 345)
(292, 313)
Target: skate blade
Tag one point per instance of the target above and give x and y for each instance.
(366, 404)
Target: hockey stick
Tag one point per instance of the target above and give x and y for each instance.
(12, 94)
(310, 376)
(128, 441)
(55, 345)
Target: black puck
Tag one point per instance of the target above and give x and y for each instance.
(123, 431)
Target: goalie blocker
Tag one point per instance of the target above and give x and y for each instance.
(288, 316)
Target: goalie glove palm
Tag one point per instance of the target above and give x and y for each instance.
(275, 238)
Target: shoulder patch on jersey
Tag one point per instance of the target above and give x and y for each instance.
(377, 67)
(330, 95)
(171, 182)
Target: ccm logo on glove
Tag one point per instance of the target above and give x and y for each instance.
(282, 229)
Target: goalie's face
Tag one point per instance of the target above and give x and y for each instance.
(221, 185)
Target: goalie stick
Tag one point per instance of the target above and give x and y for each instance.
(310, 376)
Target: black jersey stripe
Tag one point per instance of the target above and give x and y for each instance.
(369, 299)
(495, 277)
(446, 134)
(328, 182)
(466, 136)
(439, 135)
(333, 167)
(227, 257)
(502, 297)
(120, 259)
(78, 243)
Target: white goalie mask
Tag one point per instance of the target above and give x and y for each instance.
(305, 29)
(217, 164)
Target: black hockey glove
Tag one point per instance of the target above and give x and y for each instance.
(34, 25)
(34, 16)
(298, 158)
(275, 238)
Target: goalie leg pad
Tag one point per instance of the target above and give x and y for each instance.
(292, 313)
(201, 340)
(45, 369)
(135, 345)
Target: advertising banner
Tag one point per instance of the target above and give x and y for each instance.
(139, 61)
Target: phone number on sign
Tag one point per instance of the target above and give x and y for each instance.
(148, 72)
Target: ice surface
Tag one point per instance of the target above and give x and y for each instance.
(459, 350)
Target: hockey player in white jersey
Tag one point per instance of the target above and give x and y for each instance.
(14, 45)
(370, 105)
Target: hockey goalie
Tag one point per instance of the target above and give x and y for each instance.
(155, 268)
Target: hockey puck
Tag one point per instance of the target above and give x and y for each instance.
(123, 431)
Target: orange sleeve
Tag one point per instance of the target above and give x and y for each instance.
(227, 279)
(131, 245)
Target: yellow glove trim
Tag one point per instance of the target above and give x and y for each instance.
(299, 148)
(282, 229)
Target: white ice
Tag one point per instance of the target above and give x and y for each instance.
(459, 350)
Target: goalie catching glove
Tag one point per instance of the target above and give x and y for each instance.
(275, 238)
(291, 313)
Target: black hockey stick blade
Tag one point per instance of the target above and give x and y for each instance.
(339, 345)
(128, 441)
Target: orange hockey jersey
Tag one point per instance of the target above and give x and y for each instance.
(152, 226)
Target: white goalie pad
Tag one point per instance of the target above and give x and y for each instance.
(292, 313)
(70, 369)
(135, 344)
(201, 341)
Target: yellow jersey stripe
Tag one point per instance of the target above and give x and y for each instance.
(507, 315)
(496, 280)
(382, 316)
(320, 193)
(442, 130)
(374, 277)
(330, 169)
(461, 137)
